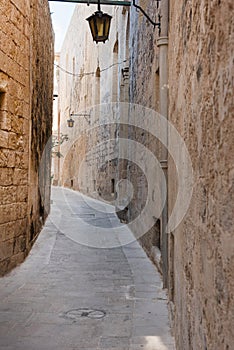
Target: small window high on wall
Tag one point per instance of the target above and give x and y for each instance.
(115, 72)
(112, 186)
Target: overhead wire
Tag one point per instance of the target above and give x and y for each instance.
(88, 73)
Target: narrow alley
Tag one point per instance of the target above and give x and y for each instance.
(70, 296)
(116, 175)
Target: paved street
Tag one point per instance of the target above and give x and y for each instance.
(80, 288)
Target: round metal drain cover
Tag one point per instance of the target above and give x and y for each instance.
(76, 314)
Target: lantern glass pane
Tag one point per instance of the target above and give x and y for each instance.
(107, 25)
(92, 26)
(100, 26)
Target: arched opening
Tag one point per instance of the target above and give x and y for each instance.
(97, 85)
(115, 72)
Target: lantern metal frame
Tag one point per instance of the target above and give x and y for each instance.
(70, 122)
(99, 24)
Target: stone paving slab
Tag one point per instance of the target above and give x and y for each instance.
(70, 296)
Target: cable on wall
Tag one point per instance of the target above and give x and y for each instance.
(88, 73)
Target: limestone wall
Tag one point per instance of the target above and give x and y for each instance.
(26, 52)
(201, 77)
(144, 91)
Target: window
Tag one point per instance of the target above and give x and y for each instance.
(112, 186)
(115, 72)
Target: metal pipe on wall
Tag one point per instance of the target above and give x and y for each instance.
(162, 43)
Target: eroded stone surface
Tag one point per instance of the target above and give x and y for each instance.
(26, 58)
(201, 107)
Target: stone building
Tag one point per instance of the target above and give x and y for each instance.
(26, 89)
(201, 77)
(183, 74)
(89, 78)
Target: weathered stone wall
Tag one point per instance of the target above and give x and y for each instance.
(25, 121)
(144, 90)
(201, 83)
(42, 39)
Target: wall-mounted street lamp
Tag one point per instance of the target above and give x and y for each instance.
(99, 24)
(70, 121)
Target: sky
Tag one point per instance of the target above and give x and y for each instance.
(61, 16)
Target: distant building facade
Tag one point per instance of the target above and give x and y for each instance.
(26, 89)
(90, 77)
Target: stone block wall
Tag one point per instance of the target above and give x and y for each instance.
(26, 53)
(144, 91)
(201, 83)
(42, 56)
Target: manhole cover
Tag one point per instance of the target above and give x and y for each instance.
(76, 314)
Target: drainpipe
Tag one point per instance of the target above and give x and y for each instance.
(162, 43)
